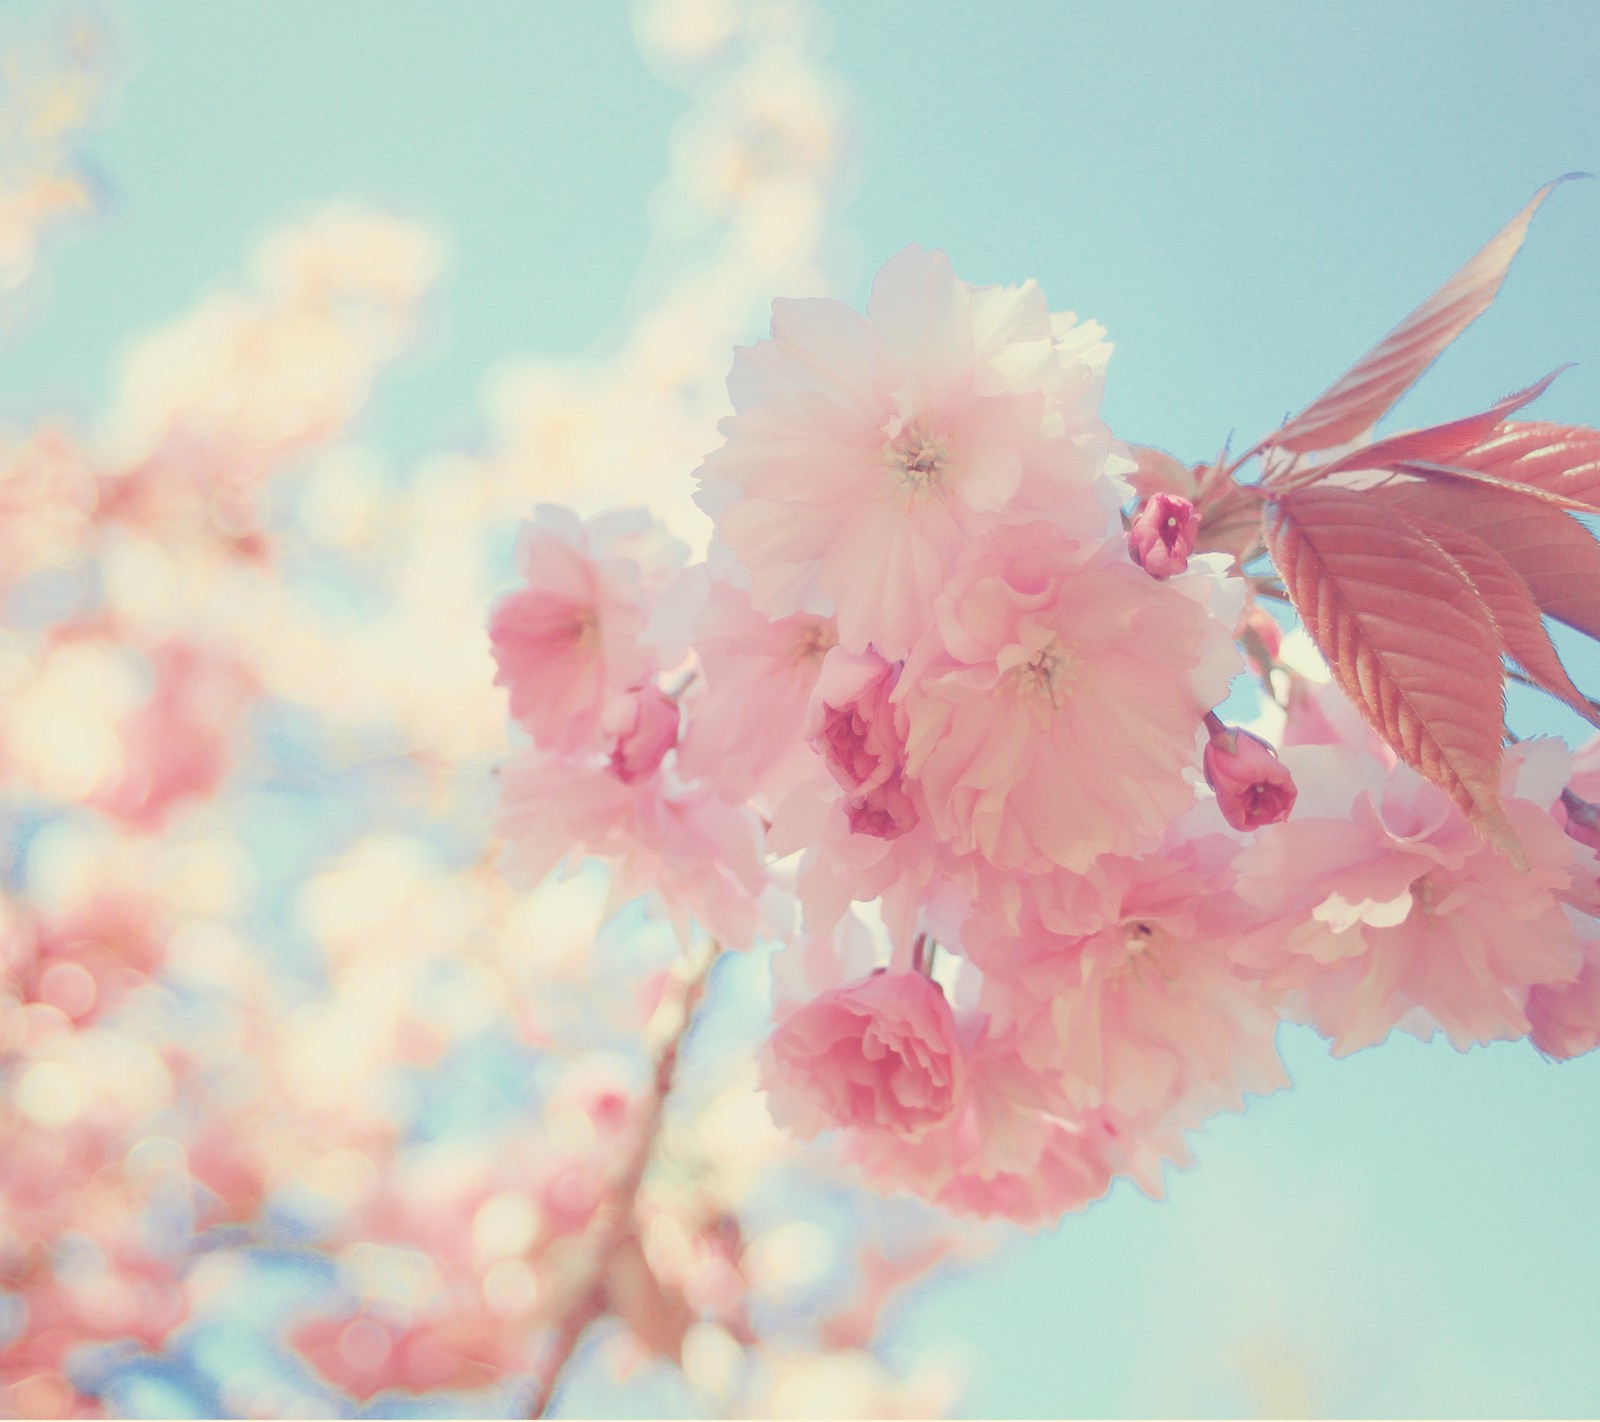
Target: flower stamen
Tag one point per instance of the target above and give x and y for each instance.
(916, 458)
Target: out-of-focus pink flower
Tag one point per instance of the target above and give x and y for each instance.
(856, 729)
(1052, 710)
(879, 1055)
(175, 747)
(698, 854)
(644, 723)
(1163, 535)
(47, 500)
(369, 1353)
(866, 451)
(1253, 786)
(568, 642)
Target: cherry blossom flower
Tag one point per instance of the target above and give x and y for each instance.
(698, 855)
(749, 701)
(1386, 909)
(1145, 1012)
(879, 1054)
(1052, 709)
(1564, 1018)
(569, 641)
(865, 451)
(645, 726)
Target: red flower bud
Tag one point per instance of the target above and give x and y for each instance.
(1163, 535)
(1253, 786)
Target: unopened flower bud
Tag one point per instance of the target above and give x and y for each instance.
(1163, 535)
(645, 724)
(1253, 786)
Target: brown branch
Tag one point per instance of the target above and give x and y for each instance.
(614, 1219)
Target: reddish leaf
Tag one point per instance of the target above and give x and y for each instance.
(1461, 474)
(1359, 397)
(1441, 444)
(1554, 555)
(1407, 637)
(1522, 632)
(1562, 461)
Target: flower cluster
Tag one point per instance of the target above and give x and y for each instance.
(306, 1110)
(932, 677)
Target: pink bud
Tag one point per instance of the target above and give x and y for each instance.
(1253, 786)
(645, 724)
(1163, 535)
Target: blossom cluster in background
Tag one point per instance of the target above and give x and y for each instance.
(307, 1110)
(51, 84)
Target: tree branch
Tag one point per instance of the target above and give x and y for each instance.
(614, 1220)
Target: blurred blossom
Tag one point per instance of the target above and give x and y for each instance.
(305, 1106)
(51, 84)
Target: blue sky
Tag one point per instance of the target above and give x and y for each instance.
(1247, 195)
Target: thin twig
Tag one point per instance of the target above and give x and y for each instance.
(616, 1217)
(1524, 680)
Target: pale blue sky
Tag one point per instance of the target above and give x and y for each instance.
(1247, 194)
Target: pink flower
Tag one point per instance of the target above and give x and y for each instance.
(1163, 535)
(1146, 1012)
(1070, 1174)
(879, 1055)
(645, 724)
(176, 746)
(1253, 786)
(1564, 1018)
(689, 849)
(568, 642)
(747, 708)
(866, 451)
(857, 731)
(1384, 908)
(1052, 710)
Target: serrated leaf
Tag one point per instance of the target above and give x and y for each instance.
(1554, 555)
(1360, 397)
(1562, 461)
(1522, 632)
(1441, 444)
(1407, 637)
